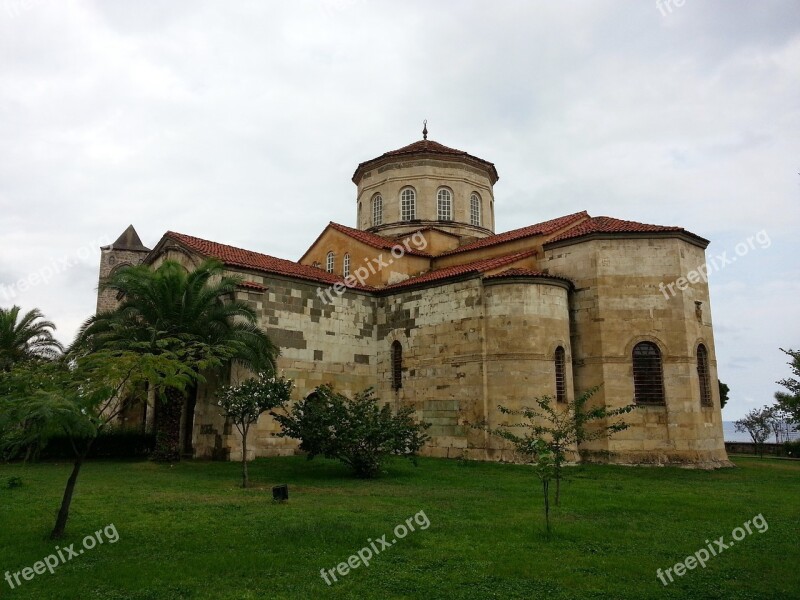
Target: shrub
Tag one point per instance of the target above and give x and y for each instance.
(111, 443)
(356, 432)
(792, 449)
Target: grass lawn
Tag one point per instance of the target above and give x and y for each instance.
(188, 531)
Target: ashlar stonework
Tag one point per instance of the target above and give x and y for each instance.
(477, 317)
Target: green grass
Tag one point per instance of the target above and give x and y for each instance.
(188, 531)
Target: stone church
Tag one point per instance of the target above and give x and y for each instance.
(426, 303)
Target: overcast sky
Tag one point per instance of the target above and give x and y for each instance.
(242, 122)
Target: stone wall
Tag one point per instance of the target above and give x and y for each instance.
(320, 343)
(617, 303)
(526, 320)
(111, 261)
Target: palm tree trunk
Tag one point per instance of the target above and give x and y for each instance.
(168, 427)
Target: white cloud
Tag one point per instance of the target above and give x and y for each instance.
(244, 122)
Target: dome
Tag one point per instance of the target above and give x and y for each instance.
(426, 148)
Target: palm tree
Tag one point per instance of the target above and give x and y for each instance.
(25, 339)
(191, 314)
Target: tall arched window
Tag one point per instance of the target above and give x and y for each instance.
(330, 262)
(397, 365)
(444, 204)
(377, 210)
(561, 375)
(358, 216)
(648, 380)
(475, 209)
(703, 376)
(408, 205)
(346, 266)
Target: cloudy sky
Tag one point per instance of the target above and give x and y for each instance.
(242, 122)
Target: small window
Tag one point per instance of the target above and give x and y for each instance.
(475, 209)
(358, 216)
(330, 262)
(648, 380)
(377, 210)
(561, 375)
(346, 266)
(408, 205)
(397, 365)
(703, 376)
(444, 203)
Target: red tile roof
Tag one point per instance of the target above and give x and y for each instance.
(237, 257)
(611, 225)
(478, 266)
(427, 147)
(377, 241)
(545, 228)
(252, 285)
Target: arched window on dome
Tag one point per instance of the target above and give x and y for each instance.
(397, 365)
(330, 262)
(346, 265)
(475, 209)
(561, 374)
(703, 376)
(444, 204)
(648, 378)
(377, 210)
(408, 205)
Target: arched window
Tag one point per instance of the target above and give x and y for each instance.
(475, 209)
(358, 216)
(330, 261)
(397, 365)
(408, 205)
(561, 375)
(346, 266)
(377, 210)
(444, 204)
(648, 381)
(703, 376)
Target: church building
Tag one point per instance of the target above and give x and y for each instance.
(423, 301)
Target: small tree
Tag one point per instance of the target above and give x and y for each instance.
(563, 426)
(757, 423)
(357, 432)
(790, 403)
(778, 421)
(244, 403)
(78, 399)
(723, 393)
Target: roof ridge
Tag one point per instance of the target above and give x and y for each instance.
(258, 261)
(610, 225)
(377, 241)
(519, 233)
(476, 266)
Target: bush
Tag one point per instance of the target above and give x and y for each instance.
(110, 443)
(792, 449)
(357, 432)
